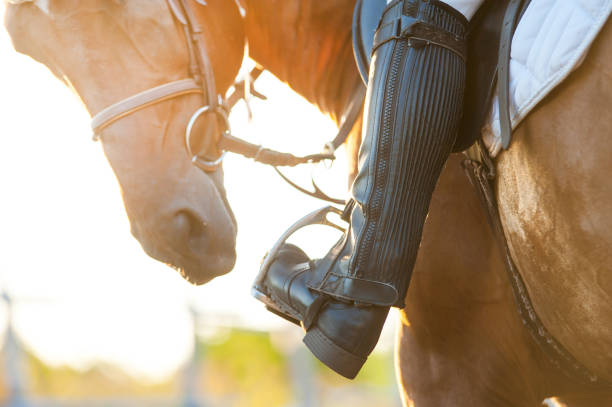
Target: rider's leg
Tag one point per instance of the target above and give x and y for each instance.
(412, 113)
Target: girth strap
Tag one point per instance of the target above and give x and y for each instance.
(481, 173)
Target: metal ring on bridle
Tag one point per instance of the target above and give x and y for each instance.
(206, 165)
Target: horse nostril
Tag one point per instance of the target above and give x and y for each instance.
(190, 228)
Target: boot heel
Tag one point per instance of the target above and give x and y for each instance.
(332, 355)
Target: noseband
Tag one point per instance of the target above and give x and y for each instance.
(201, 81)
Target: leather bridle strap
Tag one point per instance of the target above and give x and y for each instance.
(203, 83)
(155, 95)
(350, 117)
(141, 100)
(265, 155)
(202, 79)
(202, 73)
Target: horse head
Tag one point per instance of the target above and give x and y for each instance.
(108, 50)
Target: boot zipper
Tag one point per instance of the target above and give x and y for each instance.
(382, 153)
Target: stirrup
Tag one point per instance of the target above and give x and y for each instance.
(318, 217)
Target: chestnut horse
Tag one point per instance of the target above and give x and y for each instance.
(461, 342)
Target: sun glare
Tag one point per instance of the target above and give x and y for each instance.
(83, 289)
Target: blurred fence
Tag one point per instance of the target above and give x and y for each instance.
(229, 366)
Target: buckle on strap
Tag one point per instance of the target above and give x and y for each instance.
(419, 33)
(358, 290)
(196, 158)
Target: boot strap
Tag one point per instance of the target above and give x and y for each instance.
(312, 312)
(416, 30)
(367, 292)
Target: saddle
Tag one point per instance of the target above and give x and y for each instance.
(484, 60)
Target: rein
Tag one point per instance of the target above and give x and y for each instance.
(202, 81)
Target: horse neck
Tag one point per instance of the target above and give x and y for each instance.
(307, 44)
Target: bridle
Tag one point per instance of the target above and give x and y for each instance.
(201, 81)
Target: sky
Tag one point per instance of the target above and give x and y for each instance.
(83, 289)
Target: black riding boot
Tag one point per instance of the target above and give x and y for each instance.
(413, 108)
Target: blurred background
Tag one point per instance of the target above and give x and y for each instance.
(87, 319)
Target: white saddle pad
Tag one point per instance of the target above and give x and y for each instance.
(550, 42)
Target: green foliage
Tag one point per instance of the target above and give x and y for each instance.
(99, 381)
(376, 373)
(237, 368)
(248, 367)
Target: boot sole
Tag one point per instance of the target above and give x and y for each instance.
(332, 355)
(273, 306)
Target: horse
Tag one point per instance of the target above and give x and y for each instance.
(461, 341)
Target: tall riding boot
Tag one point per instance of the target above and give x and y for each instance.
(413, 108)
